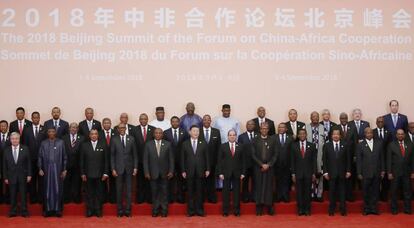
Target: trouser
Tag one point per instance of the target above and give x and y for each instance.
(159, 193)
(72, 186)
(303, 194)
(247, 182)
(370, 188)
(18, 187)
(34, 185)
(283, 184)
(404, 183)
(210, 187)
(194, 192)
(337, 191)
(143, 191)
(227, 184)
(123, 181)
(95, 187)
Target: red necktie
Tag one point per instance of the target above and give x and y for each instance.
(302, 150)
(402, 149)
(108, 138)
(232, 150)
(145, 134)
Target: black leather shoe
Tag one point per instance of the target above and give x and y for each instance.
(271, 211)
(343, 213)
(11, 215)
(127, 214)
(225, 214)
(331, 213)
(190, 214)
(120, 214)
(394, 212)
(237, 214)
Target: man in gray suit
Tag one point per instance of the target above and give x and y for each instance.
(124, 165)
(158, 162)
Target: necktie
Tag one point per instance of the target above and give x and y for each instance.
(232, 149)
(302, 149)
(158, 148)
(94, 145)
(175, 136)
(294, 129)
(145, 134)
(394, 120)
(381, 134)
(251, 136)
(194, 146)
(123, 141)
(327, 127)
(15, 154)
(20, 127)
(336, 149)
(207, 136)
(358, 126)
(90, 125)
(283, 139)
(344, 129)
(108, 138)
(56, 124)
(3, 138)
(73, 141)
(402, 149)
(36, 132)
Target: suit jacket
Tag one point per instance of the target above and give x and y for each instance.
(84, 129)
(229, 165)
(20, 170)
(94, 163)
(272, 129)
(370, 163)
(139, 139)
(3, 146)
(271, 156)
(176, 146)
(284, 151)
(213, 145)
(195, 164)
(336, 165)
(14, 126)
(299, 125)
(34, 142)
(73, 153)
(246, 144)
(402, 123)
(398, 165)
(124, 159)
(362, 125)
(102, 137)
(387, 137)
(303, 167)
(329, 134)
(131, 129)
(321, 142)
(63, 128)
(350, 137)
(158, 166)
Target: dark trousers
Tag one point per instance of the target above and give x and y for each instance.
(195, 196)
(228, 182)
(143, 192)
(404, 183)
(337, 192)
(385, 187)
(247, 192)
(110, 190)
(19, 186)
(94, 187)
(72, 186)
(303, 194)
(34, 185)
(370, 188)
(159, 193)
(283, 184)
(176, 186)
(210, 187)
(350, 184)
(124, 181)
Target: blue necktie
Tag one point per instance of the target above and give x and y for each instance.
(194, 146)
(207, 136)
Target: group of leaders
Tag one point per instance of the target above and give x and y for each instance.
(187, 159)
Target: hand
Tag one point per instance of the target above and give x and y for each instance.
(83, 178)
(347, 175)
(134, 173)
(326, 176)
(221, 176)
(104, 177)
(29, 178)
(382, 174)
(147, 176)
(207, 173)
(293, 178)
(241, 177)
(390, 176)
(184, 174)
(41, 173)
(360, 176)
(313, 177)
(412, 175)
(114, 173)
(63, 174)
(265, 167)
(170, 175)
(6, 181)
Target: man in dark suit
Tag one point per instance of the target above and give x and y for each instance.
(261, 118)
(283, 164)
(370, 169)
(94, 168)
(106, 135)
(72, 182)
(32, 137)
(293, 125)
(400, 167)
(410, 134)
(380, 133)
(17, 172)
(124, 165)
(176, 136)
(358, 124)
(142, 133)
(4, 142)
(61, 126)
(230, 169)
(20, 124)
(86, 125)
(303, 160)
(327, 124)
(394, 120)
(337, 168)
(245, 140)
(196, 167)
(130, 129)
(158, 168)
(212, 137)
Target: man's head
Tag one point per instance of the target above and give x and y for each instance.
(314, 117)
(343, 118)
(302, 134)
(225, 109)
(336, 134)
(326, 115)
(264, 129)
(122, 128)
(20, 113)
(4, 126)
(175, 122)
(206, 121)
(123, 118)
(35, 118)
(281, 128)
(15, 139)
(356, 114)
(250, 125)
(293, 115)
(232, 135)
(143, 119)
(394, 106)
(160, 113)
(106, 124)
(73, 128)
(158, 133)
(56, 113)
(400, 134)
(194, 131)
(369, 134)
(261, 112)
(93, 135)
(89, 113)
(190, 108)
(51, 133)
(380, 122)
(411, 127)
